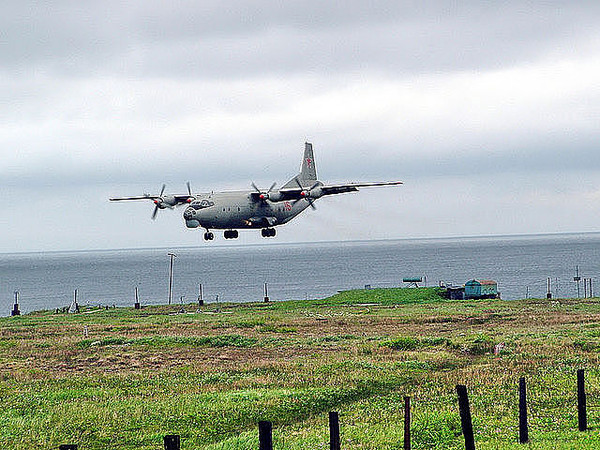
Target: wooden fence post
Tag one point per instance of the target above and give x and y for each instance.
(465, 417)
(67, 447)
(581, 400)
(523, 429)
(334, 431)
(171, 442)
(265, 435)
(406, 423)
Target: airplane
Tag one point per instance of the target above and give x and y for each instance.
(256, 209)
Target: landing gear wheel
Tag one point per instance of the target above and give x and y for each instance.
(231, 234)
(268, 232)
(209, 236)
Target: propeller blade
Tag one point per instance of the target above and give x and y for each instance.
(263, 196)
(154, 212)
(189, 188)
(162, 191)
(308, 199)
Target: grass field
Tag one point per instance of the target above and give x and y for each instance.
(210, 376)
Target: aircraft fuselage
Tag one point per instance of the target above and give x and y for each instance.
(238, 210)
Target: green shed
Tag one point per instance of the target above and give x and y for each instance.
(481, 289)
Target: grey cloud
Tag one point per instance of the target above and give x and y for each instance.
(241, 39)
(337, 162)
(463, 40)
(104, 98)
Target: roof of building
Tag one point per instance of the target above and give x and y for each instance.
(481, 282)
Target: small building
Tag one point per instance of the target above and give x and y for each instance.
(481, 289)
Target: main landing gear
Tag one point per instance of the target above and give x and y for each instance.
(231, 234)
(234, 234)
(268, 232)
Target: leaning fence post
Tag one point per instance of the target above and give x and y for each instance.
(406, 423)
(265, 435)
(334, 431)
(67, 447)
(581, 400)
(523, 429)
(465, 417)
(171, 442)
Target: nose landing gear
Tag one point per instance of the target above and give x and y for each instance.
(209, 236)
(268, 232)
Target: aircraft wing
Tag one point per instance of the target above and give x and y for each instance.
(179, 198)
(160, 201)
(139, 197)
(353, 187)
(296, 193)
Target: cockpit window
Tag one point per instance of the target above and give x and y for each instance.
(203, 204)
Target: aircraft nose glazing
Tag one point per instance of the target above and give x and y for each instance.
(189, 213)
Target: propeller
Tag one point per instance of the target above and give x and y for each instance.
(162, 202)
(307, 194)
(264, 196)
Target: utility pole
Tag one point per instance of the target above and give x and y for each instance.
(75, 305)
(172, 256)
(16, 311)
(577, 279)
(136, 305)
(588, 287)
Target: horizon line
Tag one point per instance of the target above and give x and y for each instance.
(234, 245)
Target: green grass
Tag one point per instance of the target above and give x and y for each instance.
(211, 376)
(234, 340)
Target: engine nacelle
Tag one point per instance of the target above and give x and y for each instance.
(274, 196)
(316, 192)
(168, 201)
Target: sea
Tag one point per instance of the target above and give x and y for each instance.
(523, 266)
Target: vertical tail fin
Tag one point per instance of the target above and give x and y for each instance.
(308, 170)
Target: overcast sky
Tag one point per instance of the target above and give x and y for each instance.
(488, 111)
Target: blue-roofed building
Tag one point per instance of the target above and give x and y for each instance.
(481, 289)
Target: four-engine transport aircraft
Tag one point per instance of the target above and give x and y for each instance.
(264, 209)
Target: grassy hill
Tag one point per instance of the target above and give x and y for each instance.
(124, 378)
